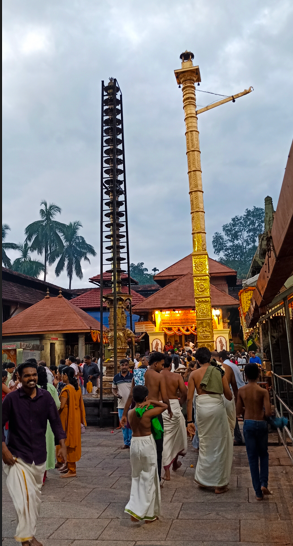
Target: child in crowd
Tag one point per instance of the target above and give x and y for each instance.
(145, 496)
(254, 402)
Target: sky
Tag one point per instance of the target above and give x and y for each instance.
(55, 55)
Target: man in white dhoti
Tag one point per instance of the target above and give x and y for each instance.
(28, 409)
(145, 496)
(175, 435)
(215, 440)
(230, 405)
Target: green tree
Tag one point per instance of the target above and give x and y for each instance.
(140, 274)
(155, 269)
(25, 265)
(237, 244)
(75, 249)
(46, 233)
(6, 246)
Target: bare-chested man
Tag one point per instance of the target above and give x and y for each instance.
(254, 403)
(215, 441)
(156, 385)
(175, 436)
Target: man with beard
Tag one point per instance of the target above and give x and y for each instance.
(28, 409)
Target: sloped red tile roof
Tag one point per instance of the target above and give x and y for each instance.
(50, 315)
(108, 277)
(179, 294)
(91, 299)
(184, 266)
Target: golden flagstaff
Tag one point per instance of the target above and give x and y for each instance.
(186, 77)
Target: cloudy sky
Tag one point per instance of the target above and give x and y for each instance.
(55, 54)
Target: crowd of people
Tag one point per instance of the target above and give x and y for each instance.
(184, 392)
(162, 399)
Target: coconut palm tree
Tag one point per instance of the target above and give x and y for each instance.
(45, 234)
(75, 249)
(25, 265)
(155, 269)
(6, 246)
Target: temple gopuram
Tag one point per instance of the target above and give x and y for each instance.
(169, 314)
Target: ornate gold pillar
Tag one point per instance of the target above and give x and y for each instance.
(187, 76)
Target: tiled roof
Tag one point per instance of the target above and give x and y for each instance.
(184, 266)
(50, 315)
(26, 280)
(108, 277)
(179, 294)
(91, 299)
(17, 293)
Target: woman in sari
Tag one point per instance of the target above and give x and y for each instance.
(72, 415)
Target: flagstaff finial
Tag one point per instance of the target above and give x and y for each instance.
(47, 294)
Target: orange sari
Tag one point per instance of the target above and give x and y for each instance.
(72, 415)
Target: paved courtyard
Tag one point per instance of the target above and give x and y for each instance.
(88, 510)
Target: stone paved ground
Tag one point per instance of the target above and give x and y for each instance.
(88, 510)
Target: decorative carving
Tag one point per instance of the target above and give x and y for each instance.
(200, 264)
(203, 308)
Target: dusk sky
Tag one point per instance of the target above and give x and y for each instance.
(55, 54)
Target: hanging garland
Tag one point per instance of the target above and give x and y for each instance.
(180, 330)
(96, 337)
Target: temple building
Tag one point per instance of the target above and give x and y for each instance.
(49, 330)
(90, 300)
(169, 314)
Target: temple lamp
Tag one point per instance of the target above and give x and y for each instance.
(217, 313)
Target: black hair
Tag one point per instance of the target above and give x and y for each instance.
(77, 361)
(9, 365)
(172, 351)
(4, 373)
(139, 393)
(62, 361)
(189, 351)
(42, 377)
(61, 367)
(71, 358)
(251, 371)
(191, 364)
(87, 357)
(14, 375)
(189, 358)
(203, 355)
(70, 374)
(123, 361)
(176, 361)
(31, 361)
(26, 364)
(156, 357)
(168, 361)
(224, 355)
(54, 369)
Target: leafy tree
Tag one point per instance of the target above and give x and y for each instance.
(140, 274)
(25, 265)
(155, 269)
(238, 242)
(75, 249)
(6, 246)
(45, 234)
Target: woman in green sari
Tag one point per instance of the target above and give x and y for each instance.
(50, 440)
